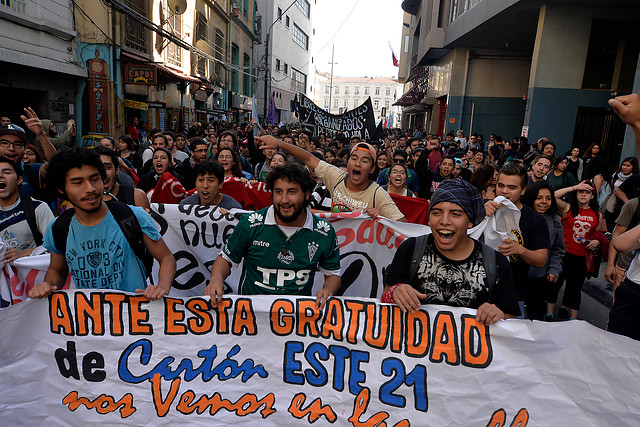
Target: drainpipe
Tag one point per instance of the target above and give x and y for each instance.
(473, 109)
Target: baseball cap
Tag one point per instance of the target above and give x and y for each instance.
(12, 129)
(366, 147)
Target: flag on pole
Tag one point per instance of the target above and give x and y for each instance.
(271, 113)
(394, 58)
(254, 109)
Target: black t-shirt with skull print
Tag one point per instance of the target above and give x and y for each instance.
(455, 283)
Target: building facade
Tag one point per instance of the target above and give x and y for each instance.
(104, 63)
(534, 68)
(38, 60)
(284, 55)
(341, 94)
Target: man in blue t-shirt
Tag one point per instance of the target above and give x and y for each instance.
(97, 254)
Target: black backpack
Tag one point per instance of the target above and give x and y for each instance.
(488, 259)
(30, 215)
(127, 221)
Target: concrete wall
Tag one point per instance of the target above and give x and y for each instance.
(490, 85)
(557, 69)
(40, 35)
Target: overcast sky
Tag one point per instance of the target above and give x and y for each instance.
(362, 44)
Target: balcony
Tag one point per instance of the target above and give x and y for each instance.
(135, 34)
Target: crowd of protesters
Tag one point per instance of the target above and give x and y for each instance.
(570, 204)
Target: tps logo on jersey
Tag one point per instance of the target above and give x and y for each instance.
(255, 219)
(323, 227)
(313, 248)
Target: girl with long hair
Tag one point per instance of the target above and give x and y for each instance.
(580, 220)
(482, 179)
(559, 177)
(542, 281)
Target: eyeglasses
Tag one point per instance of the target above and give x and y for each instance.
(399, 160)
(398, 173)
(226, 157)
(16, 144)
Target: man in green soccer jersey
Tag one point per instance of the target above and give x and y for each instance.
(282, 245)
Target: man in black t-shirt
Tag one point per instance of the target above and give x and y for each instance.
(451, 270)
(532, 245)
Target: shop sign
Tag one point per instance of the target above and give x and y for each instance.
(140, 75)
(136, 104)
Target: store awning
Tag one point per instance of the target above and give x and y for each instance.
(174, 74)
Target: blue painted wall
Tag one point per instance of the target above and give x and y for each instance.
(502, 116)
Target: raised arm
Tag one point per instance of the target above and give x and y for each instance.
(299, 153)
(34, 124)
(628, 108)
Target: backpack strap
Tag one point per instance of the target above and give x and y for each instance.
(60, 230)
(26, 203)
(489, 261)
(126, 219)
(418, 252)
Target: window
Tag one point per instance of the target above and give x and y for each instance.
(201, 34)
(285, 68)
(335, 103)
(277, 65)
(376, 104)
(245, 8)
(279, 14)
(300, 37)
(327, 90)
(246, 78)
(356, 90)
(326, 103)
(298, 81)
(336, 90)
(346, 103)
(235, 74)
(366, 91)
(377, 90)
(388, 91)
(346, 90)
(303, 5)
(386, 104)
(219, 54)
(173, 51)
(286, 21)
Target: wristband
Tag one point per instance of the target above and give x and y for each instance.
(387, 297)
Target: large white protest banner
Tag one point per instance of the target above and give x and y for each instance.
(83, 357)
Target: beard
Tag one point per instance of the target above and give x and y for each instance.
(295, 215)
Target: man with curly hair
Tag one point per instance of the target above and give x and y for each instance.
(282, 245)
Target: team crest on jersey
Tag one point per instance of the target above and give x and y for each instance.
(255, 219)
(323, 227)
(313, 248)
(285, 256)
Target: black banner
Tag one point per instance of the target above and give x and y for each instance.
(357, 122)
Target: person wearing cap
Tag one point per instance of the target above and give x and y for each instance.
(452, 270)
(13, 140)
(351, 190)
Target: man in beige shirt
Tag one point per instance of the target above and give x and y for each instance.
(352, 190)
